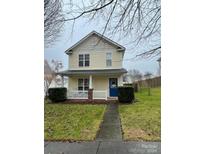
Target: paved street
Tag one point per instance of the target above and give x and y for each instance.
(103, 147)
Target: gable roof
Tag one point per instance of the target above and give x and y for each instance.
(120, 47)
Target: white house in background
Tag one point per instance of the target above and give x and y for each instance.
(127, 79)
(95, 68)
(57, 82)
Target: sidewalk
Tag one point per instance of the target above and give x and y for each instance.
(103, 147)
(110, 129)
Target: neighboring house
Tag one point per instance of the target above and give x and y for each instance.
(95, 68)
(50, 80)
(57, 82)
(48, 73)
(127, 79)
(48, 76)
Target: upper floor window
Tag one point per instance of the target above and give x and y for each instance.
(81, 60)
(84, 60)
(108, 59)
(87, 59)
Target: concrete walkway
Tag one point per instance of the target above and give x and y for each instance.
(110, 129)
(101, 147)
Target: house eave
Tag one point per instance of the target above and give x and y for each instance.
(93, 72)
(68, 52)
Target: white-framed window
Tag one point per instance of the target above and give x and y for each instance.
(84, 60)
(83, 84)
(87, 59)
(108, 59)
(81, 60)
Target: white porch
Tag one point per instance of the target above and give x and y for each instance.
(92, 85)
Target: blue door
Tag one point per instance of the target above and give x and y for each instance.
(113, 87)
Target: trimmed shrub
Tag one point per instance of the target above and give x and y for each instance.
(126, 94)
(127, 85)
(57, 94)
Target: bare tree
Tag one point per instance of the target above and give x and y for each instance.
(159, 69)
(148, 75)
(48, 77)
(50, 74)
(53, 21)
(135, 75)
(56, 67)
(140, 19)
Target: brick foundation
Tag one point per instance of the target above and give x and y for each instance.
(90, 94)
(86, 101)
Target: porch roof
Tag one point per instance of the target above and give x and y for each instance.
(93, 72)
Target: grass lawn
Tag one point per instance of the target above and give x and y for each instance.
(72, 122)
(141, 120)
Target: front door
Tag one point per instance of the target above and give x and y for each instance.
(113, 87)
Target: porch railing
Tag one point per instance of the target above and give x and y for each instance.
(100, 94)
(97, 94)
(77, 94)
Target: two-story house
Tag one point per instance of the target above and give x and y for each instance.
(95, 68)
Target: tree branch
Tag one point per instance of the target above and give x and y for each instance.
(89, 11)
(149, 52)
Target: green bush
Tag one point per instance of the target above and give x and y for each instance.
(128, 85)
(126, 94)
(57, 94)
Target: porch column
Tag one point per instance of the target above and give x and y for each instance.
(90, 91)
(91, 82)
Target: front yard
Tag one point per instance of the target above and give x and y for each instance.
(141, 120)
(72, 122)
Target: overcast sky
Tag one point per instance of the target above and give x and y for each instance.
(81, 29)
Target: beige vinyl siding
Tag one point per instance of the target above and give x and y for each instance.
(99, 82)
(97, 54)
(73, 83)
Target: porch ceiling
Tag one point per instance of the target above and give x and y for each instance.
(93, 72)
